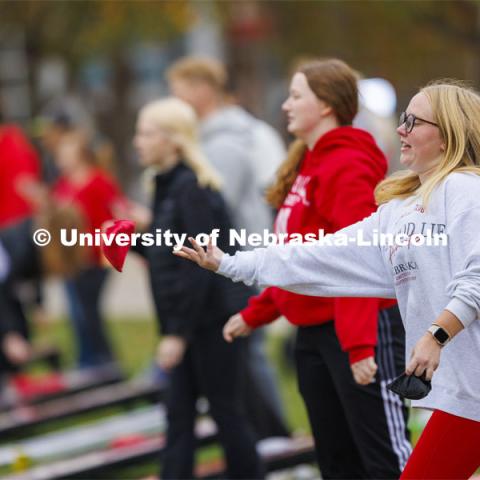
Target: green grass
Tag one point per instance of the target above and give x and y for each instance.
(134, 341)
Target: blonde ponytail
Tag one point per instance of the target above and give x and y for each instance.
(194, 158)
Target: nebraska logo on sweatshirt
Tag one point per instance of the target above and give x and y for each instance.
(297, 194)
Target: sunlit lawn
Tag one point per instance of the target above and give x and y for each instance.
(134, 342)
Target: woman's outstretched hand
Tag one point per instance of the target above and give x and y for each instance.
(236, 327)
(209, 259)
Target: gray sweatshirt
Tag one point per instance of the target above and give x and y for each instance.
(227, 137)
(425, 279)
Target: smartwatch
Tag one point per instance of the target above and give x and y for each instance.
(441, 336)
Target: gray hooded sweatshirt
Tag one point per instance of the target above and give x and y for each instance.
(425, 279)
(227, 138)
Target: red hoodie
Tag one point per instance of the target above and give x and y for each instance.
(334, 189)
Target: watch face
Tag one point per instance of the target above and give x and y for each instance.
(441, 335)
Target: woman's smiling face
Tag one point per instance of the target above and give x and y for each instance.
(422, 148)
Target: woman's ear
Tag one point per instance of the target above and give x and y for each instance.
(442, 147)
(326, 110)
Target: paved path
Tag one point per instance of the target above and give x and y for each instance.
(126, 294)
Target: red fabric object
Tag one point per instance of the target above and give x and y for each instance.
(27, 386)
(115, 253)
(128, 441)
(18, 160)
(96, 198)
(334, 189)
(448, 448)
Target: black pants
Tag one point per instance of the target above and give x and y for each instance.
(262, 399)
(359, 431)
(12, 308)
(211, 367)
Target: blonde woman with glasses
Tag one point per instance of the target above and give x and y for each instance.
(437, 286)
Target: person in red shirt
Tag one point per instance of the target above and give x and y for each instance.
(18, 162)
(327, 182)
(96, 194)
(20, 167)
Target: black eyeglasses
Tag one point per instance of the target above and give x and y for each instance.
(409, 121)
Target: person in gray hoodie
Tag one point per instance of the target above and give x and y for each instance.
(228, 135)
(422, 246)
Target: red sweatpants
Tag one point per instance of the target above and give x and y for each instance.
(449, 448)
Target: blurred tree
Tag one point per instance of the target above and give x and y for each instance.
(406, 42)
(81, 30)
(459, 23)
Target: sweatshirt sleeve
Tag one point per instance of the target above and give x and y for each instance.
(261, 309)
(355, 319)
(328, 268)
(464, 244)
(356, 322)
